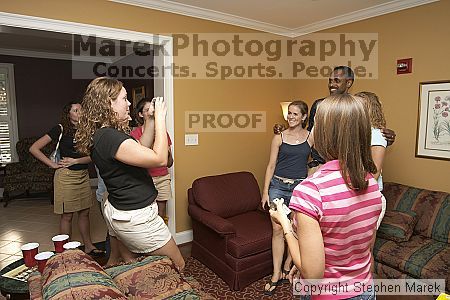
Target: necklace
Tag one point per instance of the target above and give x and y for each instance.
(297, 137)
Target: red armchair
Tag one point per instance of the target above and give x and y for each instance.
(232, 234)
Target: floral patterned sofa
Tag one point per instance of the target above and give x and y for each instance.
(28, 175)
(75, 275)
(414, 236)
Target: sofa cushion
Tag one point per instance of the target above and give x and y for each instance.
(75, 275)
(397, 226)
(35, 286)
(152, 277)
(432, 209)
(420, 257)
(227, 195)
(253, 234)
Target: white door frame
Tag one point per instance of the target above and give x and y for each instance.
(30, 22)
(12, 109)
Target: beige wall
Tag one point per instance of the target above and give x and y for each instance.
(217, 152)
(422, 33)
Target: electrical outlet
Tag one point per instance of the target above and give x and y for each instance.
(191, 139)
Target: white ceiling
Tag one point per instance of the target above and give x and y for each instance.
(285, 17)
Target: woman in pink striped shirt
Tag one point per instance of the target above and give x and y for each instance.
(336, 210)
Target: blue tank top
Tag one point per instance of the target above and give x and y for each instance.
(292, 160)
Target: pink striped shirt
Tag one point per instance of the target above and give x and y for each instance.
(347, 219)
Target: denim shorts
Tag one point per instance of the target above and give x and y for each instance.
(280, 189)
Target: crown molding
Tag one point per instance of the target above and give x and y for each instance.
(211, 15)
(359, 15)
(32, 22)
(50, 55)
(208, 14)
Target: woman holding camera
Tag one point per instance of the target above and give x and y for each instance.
(145, 110)
(336, 210)
(130, 211)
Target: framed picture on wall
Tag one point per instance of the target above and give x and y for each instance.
(433, 124)
(138, 93)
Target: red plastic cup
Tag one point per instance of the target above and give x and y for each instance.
(71, 245)
(29, 251)
(59, 240)
(42, 258)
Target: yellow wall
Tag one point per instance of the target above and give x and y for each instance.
(422, 33)
(217, 152)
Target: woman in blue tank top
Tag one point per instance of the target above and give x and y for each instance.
(289, 153)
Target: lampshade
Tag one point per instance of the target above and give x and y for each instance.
(284, 107)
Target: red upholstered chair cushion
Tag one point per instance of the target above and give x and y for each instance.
(253, 235)
(227, 195)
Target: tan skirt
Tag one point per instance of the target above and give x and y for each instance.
(162, 185)
(72, 191)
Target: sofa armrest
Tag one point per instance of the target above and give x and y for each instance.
(14, 168)
(216, 223)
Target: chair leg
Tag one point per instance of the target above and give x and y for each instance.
(5, 198)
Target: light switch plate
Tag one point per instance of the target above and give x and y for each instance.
(191, 139)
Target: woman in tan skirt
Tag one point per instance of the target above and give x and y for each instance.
(72, 190)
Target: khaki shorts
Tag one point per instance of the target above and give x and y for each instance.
(140, 230)
(162, 184)
(72, 191)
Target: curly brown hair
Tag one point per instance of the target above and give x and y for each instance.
(68, 127)
(373, 106)
(97, 112)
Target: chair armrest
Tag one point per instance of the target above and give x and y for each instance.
(264, 211)
(216, 223)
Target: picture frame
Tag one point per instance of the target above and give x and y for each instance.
(138, 93)
(433, 122)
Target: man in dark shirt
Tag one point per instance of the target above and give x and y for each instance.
(339, 82)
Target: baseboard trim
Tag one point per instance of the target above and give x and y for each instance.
(183, 237)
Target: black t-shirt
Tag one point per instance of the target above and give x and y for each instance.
(312, 113)
(66, 147)
(129, 187)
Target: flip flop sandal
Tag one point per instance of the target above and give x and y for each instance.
(96, 253)
(285, 275)
(270, 292)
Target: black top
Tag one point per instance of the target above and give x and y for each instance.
(314, 154)
(66, 147)
(292, 159)
(129, 187)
